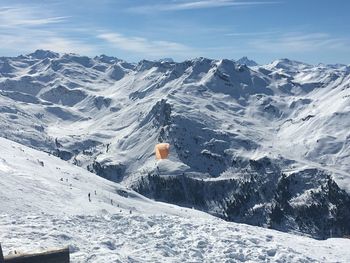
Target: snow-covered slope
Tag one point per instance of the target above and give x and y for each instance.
(267, 145)
(44, 203)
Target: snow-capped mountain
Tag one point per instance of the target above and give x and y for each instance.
(266, 145)
(170, 60)
(246, 61)
(44, 203)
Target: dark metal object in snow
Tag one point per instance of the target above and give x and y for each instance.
(49, 256)
(1, 255)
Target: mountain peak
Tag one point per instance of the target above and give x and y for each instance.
(170, 60)
(41, 54)
(246, 61)
(106, 59)
(288, 65)
(289, 62)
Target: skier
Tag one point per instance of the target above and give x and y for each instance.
(89, 197)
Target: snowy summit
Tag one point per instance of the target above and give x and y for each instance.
(246, 61)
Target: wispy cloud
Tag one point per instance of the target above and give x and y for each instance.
(299, 42)
(66, 45)
(146, 47)
(190, 5)
(30, 40)
(26, 28)
(24, 16)
(251, 34)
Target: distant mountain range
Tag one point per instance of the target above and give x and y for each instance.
(267, 145)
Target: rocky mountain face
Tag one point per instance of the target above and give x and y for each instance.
(266, 145)
(308, 201)
(246, 61)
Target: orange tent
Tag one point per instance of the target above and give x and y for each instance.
(162, 150)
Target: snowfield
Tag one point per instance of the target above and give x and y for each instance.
(44, 203)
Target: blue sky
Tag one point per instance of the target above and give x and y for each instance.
(306, 30)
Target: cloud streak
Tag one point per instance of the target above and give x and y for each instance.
(146, 47)
(251, 34)
(24, 16)
(205, 4)
(30, 40)
(25, 28)
(299, 42)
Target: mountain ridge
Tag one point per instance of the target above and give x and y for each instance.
(220, 117)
